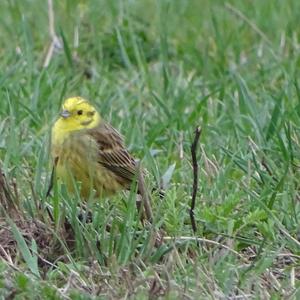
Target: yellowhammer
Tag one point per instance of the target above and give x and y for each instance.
(88, 150)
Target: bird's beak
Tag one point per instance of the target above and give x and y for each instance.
(65, 113)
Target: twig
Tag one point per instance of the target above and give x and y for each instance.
(195, 172)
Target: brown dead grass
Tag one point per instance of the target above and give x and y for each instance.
(50, 249)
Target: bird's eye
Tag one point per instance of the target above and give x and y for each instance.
(79, 112)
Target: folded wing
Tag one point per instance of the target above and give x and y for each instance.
(112, 153)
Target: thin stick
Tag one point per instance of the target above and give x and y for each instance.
(195, 173)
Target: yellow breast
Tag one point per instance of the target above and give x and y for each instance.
(77, 162)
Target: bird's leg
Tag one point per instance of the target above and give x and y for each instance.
(52, 177)
(145, 198)
(50, 183)
(50, 187)
(140, 208)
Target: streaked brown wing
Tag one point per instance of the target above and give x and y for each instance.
(112, 152)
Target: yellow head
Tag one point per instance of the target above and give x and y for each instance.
(77, 113)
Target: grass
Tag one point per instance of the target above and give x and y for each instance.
(156, 70)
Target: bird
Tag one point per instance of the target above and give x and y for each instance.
(87, 149)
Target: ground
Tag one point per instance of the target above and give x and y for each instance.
(155, 70)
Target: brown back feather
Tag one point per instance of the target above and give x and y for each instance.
(112, 152)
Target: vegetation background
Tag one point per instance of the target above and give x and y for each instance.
(155, 70)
